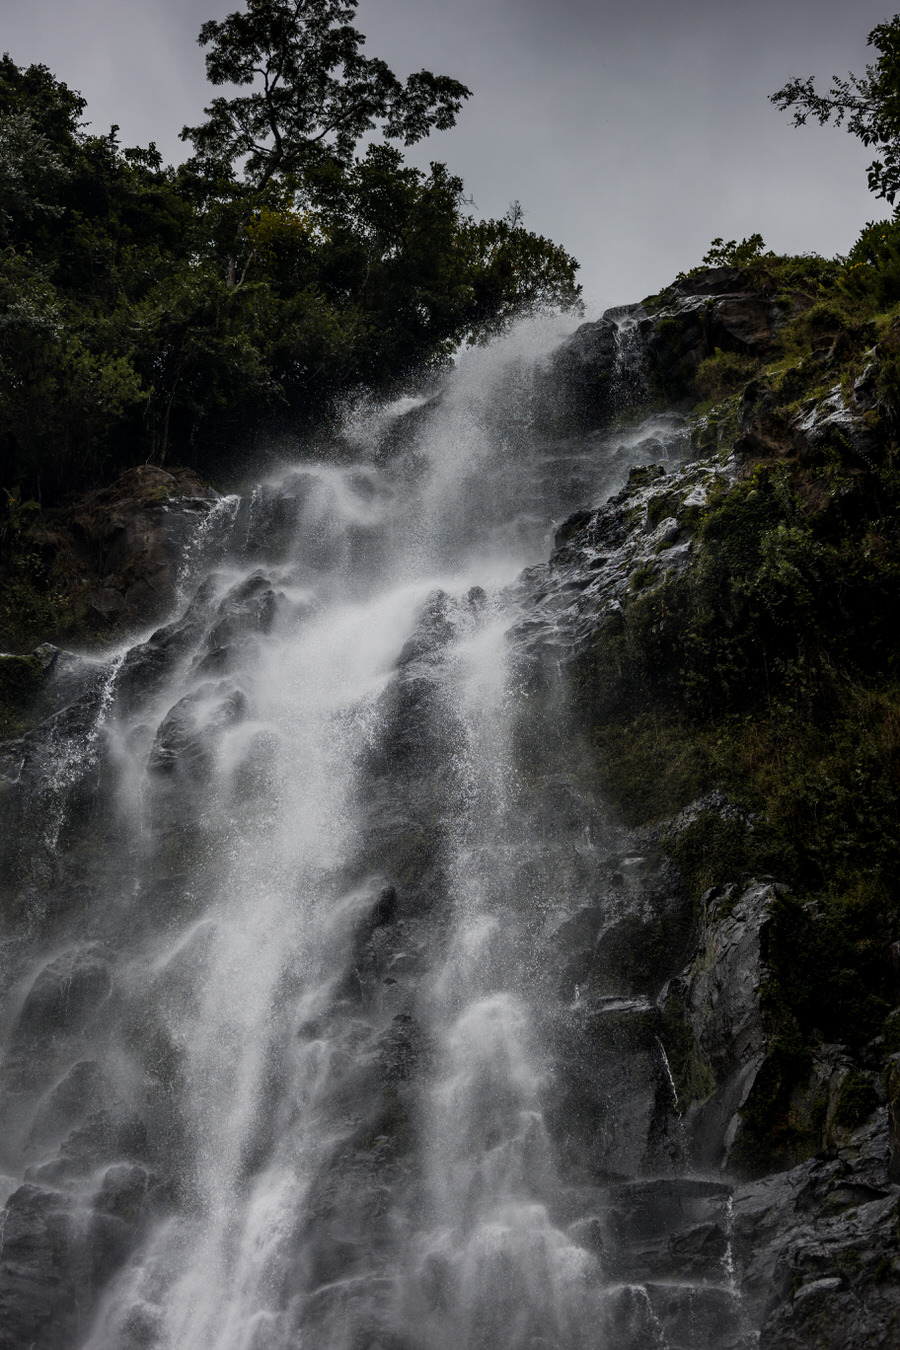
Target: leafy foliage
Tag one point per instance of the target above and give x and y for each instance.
(144, 308)
(734, 254)
(868, 106)
(724, 373)
(770, 668)
(314, 93)
(872, 267)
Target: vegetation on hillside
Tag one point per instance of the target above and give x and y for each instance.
(151, 314)
(771, 667)
(148, 312)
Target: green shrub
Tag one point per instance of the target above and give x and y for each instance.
(819, 326)
(734, 254)
(871, 270)
(725, 373)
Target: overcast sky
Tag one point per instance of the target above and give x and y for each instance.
(632, 131)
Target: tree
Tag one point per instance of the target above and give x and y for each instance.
(730, 253)
(39, 119)
(314, 97)
(151, 311)
(515, 272)
(869, 107)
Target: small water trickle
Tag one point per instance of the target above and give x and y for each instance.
(629, 381)
(75, 755)
(728, 1259)
(680, 1148)
(207, 545)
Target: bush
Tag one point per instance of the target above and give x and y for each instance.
(725, 373)
(734, 254)
(872, 268)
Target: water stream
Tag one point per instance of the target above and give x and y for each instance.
(293, 1051)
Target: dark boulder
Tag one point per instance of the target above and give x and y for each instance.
(64, 996)
(131, 538)
(187, 738)
(42, 1271)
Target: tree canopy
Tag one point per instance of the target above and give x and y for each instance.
(868, 106)
(314, 94)
(148, 311)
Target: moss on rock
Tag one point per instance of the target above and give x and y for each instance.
(856, 1100)
(21, 682)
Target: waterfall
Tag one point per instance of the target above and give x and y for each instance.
(295, 1050)
(629, 378)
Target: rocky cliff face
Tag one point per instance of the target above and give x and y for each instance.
(131, 539)
(706, 1146)
(814, 1236)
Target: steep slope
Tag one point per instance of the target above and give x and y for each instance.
(419, 941)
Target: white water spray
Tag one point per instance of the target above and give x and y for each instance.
(317, 1044)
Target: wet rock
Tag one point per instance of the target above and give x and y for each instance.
(628, 1319)
(434, 630)
(385, 908)
(22, 681)
(132, 536)
(42, 1271)
(406, 782)
(188, 736)
(268, 522)
(819, 1250)
(249, 607)
(33, 761)
(642, 535)
(758, 1098)
(302, 519)
(598, 373)
(716, 309)
(711, 281)
(836, 421)
(55, 1259)
(580, 381)
(147, 665)
(892, 1085)
(718, 1000)
(822, 423)
(63, 997)
(127, 1197)
(68, 1103)
(375, 949)
(698, 1317)
(103, 1136)
(723, 1007)
(631, 938)
(66, 673)
(612, 1108)
(403, 1050)
(666, 1228)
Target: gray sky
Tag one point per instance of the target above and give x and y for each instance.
(632, 131)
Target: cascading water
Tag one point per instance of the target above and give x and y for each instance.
(629, 379)
(294, 1054)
